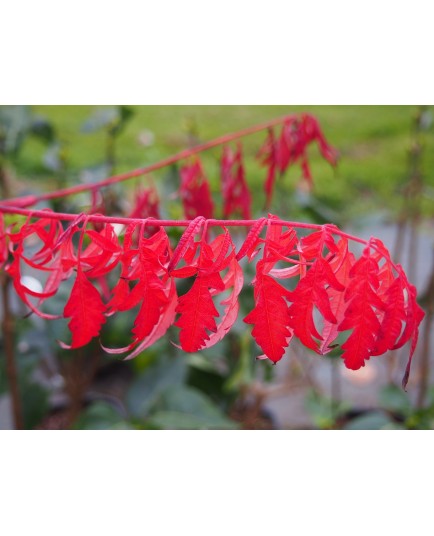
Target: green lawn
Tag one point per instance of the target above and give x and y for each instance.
(373, 142)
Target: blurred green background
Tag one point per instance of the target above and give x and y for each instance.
(383, 185)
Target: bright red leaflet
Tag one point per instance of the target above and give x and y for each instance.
(86, 310)
(341, 265)
(361, 313)
(270, 317)
(312, 292)
(197, 309)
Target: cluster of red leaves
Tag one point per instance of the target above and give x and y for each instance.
(279, 153)
(146, 205)
(236, 195)
(311, 287)
(195, 192)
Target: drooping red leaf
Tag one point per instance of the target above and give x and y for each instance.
(146, 268)
(197, 309)
(413, 318)
(235, 192)
(86, 310)
(185, 242)
(312, 292)
(268, 157)
(146, 205)
(250, 244)
(291, 147)
(361, 312)
(198, 312)
(195, 192)
(341, 265)
(270, 317)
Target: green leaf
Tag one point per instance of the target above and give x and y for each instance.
(396, 400)
(186, 408)
(101, 416)
(324, 411)
(374, 420)
(176, 420)
(147, 389)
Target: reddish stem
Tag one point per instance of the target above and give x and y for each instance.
(186, 153)
(171, 223)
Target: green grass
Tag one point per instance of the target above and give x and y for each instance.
(373, 142)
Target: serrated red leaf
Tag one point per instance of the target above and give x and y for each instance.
(86, 310)
(146, 267)
(270, 317)
(341, 265)
(312, 291)
(250, 244)
(197, 310)
(361, 312)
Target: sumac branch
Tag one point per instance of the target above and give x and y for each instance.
(315, 286)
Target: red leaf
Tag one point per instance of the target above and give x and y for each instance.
(86, 310)
(250, 244)
(195, 192)
(311, 292)
(198, 312)
(392, 319)
(291, 147)
(146, 206)
(268, 157)
(341, 265)
(187, 239)
(146, 267)
(270, 316)
(197, 309)
(235, 192)
(361, 312)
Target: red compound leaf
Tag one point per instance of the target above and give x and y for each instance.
(236, 195)
(195, 192)
(291, 147)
